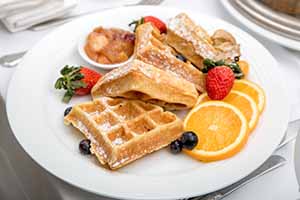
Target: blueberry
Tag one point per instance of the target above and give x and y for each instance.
(181, 57)
(84, 146)
(176, 146)
(67, 111)
(189, 140)
(236, 59)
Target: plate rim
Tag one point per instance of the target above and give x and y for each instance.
(9, 108)
(279, 39)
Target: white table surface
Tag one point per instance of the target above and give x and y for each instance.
(277, 185)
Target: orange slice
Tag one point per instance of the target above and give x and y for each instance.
(244, 67)
(252, 90)
(243, 102)
(221, 128)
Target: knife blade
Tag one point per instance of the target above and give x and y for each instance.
(270, 164)
(11, 60)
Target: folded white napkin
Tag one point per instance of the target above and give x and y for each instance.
(19, 15)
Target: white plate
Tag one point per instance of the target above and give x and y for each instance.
(297, 158)
(35, 112)
(280, 39)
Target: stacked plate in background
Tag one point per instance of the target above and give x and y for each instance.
(264, 18)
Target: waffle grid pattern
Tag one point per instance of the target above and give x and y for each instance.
(114, 125)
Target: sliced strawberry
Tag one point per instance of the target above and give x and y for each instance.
(76, 80)
(154, 20)
(219, 82)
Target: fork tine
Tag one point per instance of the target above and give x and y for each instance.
(149, 2)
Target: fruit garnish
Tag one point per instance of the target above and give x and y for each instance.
(154, 20)
(219, 81)
(244, 67)
(84, 146)
(67, 111)
(176, 147)
(223, 130)
(252, 90)
(236, 59)
(209, 64)
(242, 101)
(181, 57)
(189, 140)
(76, 80)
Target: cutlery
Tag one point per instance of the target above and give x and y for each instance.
(269, 165)
(11, 60)
(272, 163)
(60, 21)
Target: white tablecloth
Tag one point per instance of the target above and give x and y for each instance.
(277, 185)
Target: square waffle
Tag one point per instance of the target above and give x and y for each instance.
(151, 49)
(122, 131)
(139, 80)
(192, 41)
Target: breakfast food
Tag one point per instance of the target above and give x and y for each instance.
(170, 67)
(188, 140)
(109, 45)
(209, 64)
(138, 80)
(193, 42)
(76, 80)
(219, 82)
(253, 90)
(244, 67)
(122, 131)
(221, 127)
(243, 102)
(150, 48)
(160, 25)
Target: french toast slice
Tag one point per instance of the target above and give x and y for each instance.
(139, 80)
(151, 48)
(193, 42)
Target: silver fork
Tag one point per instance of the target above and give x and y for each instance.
(60, 21)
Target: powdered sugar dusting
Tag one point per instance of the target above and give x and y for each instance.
(120, 162)
(99, 150)
(181, 26)
(89, 136)
(118, 141)
(115, 74)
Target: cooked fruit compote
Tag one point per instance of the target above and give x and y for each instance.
(109, 45)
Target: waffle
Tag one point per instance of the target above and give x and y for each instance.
(194, 43)
(138, 80)
(122, 131)
(150, 48)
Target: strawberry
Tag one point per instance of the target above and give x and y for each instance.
(219, 81)
(76, 80)
(154, 20)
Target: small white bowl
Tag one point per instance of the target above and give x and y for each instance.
(82, 53)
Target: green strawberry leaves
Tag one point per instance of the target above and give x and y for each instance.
(70, 80)
(209, 64)
(136, 23)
